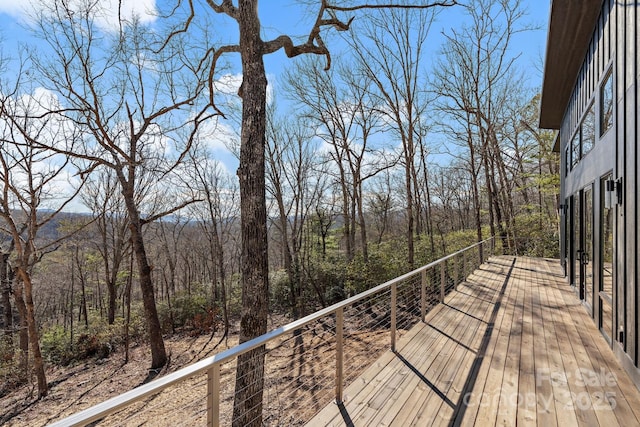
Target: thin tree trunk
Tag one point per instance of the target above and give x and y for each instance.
(428, 216)
(34, 342)
(83, 293)
(363, 226)
(345, 214)
(23, 334)
(475, 190)
(127, 319)
(6, 299)
(409, 208)
(71, 302)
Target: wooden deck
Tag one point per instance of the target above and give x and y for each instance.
(512, 345)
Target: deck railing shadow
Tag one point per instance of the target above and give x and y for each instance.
(308, 362)
(460, 407)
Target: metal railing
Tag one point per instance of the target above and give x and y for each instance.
(308, 362)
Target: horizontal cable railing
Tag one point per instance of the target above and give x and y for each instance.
(308, 362)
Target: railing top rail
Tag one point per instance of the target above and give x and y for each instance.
(112, 405)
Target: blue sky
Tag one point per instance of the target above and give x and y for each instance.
(290, 17)
(293, 18)
(287, 19)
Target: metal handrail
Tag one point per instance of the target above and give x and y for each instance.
(212, 364)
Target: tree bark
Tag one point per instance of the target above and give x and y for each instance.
(83, 293)
(247, 410)
(23, 334)
(6, 299)
(158, 353)
(34, 342)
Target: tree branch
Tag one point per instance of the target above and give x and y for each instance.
(216, 55)
(292, 50)
(152, 218)
(315, 44)
(225, 7)
(184, 28)
(443, 3)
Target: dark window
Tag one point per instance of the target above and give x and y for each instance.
(575, 149)
(606, 104)
(588, 129)
(567, 161)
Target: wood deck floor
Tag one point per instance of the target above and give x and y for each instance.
(512, 345)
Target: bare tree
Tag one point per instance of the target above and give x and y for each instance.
(253, 91)
(294, 184)
(474, 79)
(338, 103)
(32, 181)
(542, 158)
(139, 100)
(389, 51)
(381, 203)
(101, 196)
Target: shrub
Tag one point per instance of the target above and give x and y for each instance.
(56, 345)
(97, 341)
(10, 374)
(189, 311)
(534, 240)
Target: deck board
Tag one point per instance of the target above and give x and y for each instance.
(511, 345)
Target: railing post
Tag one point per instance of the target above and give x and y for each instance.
(213, 396)
(442, 280)
(339, 352)
(457, 281)
(394, 301)
(423, 295)
(464, 267)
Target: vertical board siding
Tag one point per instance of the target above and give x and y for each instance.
(631, 177)
(633, 123)
(620, 170)
(614, 44)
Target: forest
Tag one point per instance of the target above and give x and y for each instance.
(121, 222)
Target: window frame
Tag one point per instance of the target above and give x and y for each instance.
(607, 81)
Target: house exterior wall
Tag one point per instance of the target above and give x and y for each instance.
(611, 61)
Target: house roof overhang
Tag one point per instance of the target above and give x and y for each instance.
(571, 25)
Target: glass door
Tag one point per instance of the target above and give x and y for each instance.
(582, 244)
(576, 244)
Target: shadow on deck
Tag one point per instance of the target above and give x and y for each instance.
(512, 345)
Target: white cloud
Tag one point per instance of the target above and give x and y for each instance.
(228, 84)
(107, 19)
(218, 136)
(13, 8)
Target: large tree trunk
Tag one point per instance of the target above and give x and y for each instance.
(247, 410)
(158, 353)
